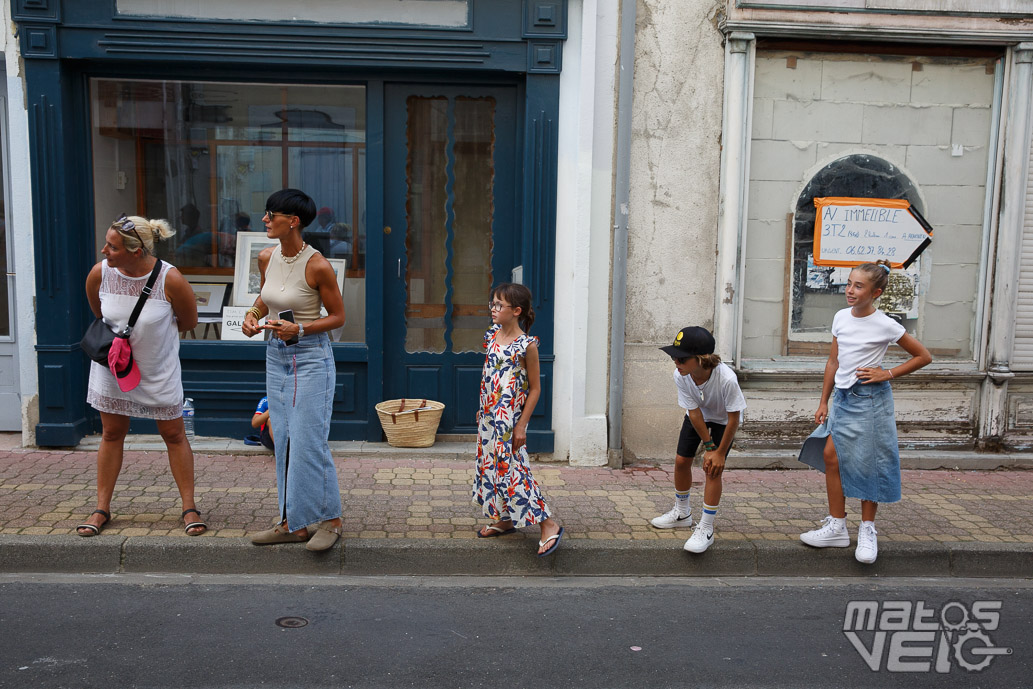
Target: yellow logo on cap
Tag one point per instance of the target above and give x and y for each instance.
(677, 340)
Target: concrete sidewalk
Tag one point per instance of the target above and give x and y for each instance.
(409, 512)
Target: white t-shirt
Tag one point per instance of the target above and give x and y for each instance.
(715, 398)
(862, 342)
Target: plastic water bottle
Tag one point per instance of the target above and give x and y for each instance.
(188, 416)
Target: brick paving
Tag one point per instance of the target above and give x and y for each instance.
(51, 491)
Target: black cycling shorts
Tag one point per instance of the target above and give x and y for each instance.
(689, 440)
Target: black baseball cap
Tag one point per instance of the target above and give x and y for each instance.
(690, 341)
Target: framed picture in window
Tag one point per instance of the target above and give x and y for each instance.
(339, 265)
(247, 279)
(209, 296)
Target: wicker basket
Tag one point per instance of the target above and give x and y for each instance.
(410, 422)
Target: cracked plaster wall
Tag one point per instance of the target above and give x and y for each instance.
(672, 229)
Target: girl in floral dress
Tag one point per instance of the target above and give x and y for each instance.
(510, 387)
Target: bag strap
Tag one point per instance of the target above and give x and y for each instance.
(143, 297)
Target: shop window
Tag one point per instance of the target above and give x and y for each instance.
(877, 126)
(206, 156)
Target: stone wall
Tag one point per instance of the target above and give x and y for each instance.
(675, 166)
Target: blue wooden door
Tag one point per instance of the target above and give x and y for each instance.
(451, 232)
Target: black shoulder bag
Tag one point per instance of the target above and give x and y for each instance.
(98, 338)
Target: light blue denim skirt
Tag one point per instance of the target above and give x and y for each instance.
(300, 384)
(864, 432)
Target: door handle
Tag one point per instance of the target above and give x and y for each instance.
(399, 268)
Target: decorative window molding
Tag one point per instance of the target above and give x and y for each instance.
(998, 8)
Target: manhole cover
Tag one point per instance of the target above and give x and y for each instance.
(291, 622)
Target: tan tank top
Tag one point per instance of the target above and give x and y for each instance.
(285, 287)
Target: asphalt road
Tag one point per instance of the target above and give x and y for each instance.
(125, 631)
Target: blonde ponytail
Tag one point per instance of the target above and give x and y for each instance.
(145, 233)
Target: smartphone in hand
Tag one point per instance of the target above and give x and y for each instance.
(288, 315)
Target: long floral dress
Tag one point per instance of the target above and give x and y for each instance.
(503, 484)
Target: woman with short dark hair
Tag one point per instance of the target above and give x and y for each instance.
(300, 371)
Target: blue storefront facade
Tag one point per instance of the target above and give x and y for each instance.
(429, 145)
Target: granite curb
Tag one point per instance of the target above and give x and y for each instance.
(504, 557)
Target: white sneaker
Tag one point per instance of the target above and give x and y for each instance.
(672, 519)
(699, 541)
(867, 543)
(827, 536)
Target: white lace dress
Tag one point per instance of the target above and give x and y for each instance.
(155, 342)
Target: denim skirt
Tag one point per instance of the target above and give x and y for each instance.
(864, 432)
(299, 381)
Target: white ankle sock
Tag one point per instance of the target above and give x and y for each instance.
(681, 501)
(706, 521)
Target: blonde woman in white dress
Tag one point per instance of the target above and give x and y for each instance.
(112, 288)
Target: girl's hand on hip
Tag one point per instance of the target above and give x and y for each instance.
(822, 415)
(872, 374)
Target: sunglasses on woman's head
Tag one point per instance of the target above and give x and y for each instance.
(124, 223)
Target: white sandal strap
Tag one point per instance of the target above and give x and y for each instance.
(547, 540)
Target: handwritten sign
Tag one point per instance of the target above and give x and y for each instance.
(851, 231)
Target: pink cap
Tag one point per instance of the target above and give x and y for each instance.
(122, 364)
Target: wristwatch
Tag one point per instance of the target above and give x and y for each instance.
(301, 330)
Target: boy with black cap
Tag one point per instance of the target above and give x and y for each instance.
(709, 392)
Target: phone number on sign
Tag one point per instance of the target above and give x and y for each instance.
(870, 250)
(862, 250)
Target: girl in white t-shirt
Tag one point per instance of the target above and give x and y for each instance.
(709, 393)
(857, 438)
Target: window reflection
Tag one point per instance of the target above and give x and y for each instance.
(427, 218)
(449, 209)
(207, 155)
